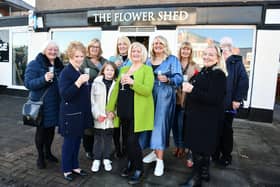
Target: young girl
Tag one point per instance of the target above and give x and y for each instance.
(103, 123)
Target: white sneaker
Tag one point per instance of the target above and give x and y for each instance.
(151, 157)
(159, 169)
(107, 164)
(95, 166)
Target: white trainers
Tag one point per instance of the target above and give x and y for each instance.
(151, 157)
(95, 166)
(107, 164)
(159, 169)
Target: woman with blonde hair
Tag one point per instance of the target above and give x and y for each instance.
(189, 69)
(205, 94)
(133, 99)
(168, 77)
(121, 60)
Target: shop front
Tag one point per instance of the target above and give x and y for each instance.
(201, 25)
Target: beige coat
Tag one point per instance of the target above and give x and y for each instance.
(98, 103)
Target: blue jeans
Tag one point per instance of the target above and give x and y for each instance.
(177, 127)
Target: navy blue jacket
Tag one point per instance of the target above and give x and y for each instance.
(75, 106)
(237, 81)
(34, 80)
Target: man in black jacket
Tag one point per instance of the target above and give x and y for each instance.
(236, 93)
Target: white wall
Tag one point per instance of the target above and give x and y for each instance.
(35, 43)
(266, 69)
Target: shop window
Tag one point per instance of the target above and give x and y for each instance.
(19, 56)
(4, 45)
(64, 37)
(201, 37)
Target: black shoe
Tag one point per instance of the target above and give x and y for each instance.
(118, 155)
(194, 181)
(224, 162)
(51, 158)
(69, 177)
(136, 177)
(205, 175)
(41, 163)
(81, 173)
(89, 155)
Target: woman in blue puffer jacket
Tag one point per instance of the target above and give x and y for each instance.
(39, 79)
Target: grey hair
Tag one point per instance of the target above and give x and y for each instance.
(47, 44)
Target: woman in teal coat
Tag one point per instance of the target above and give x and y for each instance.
(132, 96)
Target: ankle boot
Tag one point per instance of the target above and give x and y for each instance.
(125, 172)
(195, 179)
(48, 154)
(136, 177)
(41, 164)
(205, 169)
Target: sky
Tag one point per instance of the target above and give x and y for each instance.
(31, 2)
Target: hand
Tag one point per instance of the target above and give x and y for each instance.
(187, 87)
(83, 78)
(101, 118)
(49, 76)
(235, 105)
(118, 63)
(162, 78)
(110, 115)
(126, 80)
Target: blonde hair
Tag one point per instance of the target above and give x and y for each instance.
(124, 39)
(91, 44)
(167, 50)
(188, 45)
(144, 52)
(73, 47)
(47, 44)
(221, 62)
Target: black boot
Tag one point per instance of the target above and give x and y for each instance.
(125, 172)
(39, 142)
(136, 177)
(49, 136)
(205, 169)
(195, 179)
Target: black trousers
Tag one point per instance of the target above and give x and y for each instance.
(102, 143)
(43, 140)
(88, 141)
(134, 151)
(225, 141)
(120, 144)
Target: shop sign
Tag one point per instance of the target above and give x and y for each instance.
(156, 16)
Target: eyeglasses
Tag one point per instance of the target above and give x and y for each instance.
(95, 47)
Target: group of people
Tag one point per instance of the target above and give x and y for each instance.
(135, 101)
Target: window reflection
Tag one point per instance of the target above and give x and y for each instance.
(19, 53)
(64, 37)
(201, 37)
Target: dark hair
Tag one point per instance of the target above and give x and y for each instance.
(114, 66)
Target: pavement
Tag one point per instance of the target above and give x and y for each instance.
(255, 163)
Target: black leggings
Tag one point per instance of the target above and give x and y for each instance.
(43, 139)
(134, 151)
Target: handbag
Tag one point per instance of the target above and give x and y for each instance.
(32, 112)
